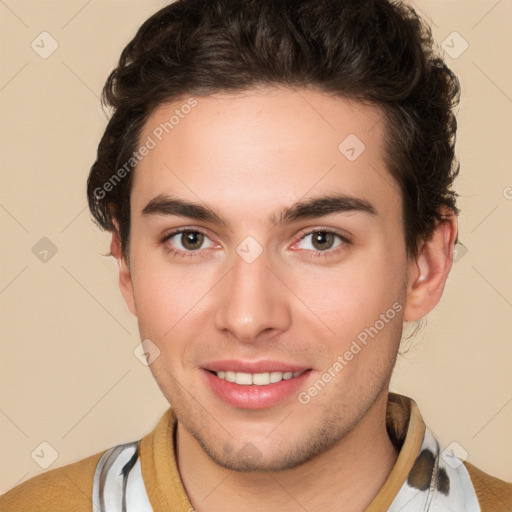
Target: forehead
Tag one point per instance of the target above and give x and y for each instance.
(266, 147)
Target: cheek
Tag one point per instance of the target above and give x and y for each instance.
(166, 315)
(353, 295)
(362, 305)
(165, 295)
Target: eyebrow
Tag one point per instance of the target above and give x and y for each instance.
(308, 209)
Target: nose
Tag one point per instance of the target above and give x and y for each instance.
(253, 303)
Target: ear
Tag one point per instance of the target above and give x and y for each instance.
(429, 270)
(125, 278)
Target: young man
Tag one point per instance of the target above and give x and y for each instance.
(277, 177)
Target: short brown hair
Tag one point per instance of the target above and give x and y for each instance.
(376, 51)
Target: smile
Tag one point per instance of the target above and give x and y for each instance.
(256, 389)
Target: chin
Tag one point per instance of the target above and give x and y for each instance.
(249, 458)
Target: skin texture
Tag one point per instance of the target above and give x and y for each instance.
(247, 156)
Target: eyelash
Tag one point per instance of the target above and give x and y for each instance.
(315, 254)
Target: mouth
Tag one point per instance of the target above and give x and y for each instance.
(255, 385)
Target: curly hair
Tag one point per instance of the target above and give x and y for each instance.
(378, 52)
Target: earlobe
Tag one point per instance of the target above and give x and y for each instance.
(430, 268)
(125, 278)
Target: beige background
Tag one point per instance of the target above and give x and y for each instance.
(69, 376)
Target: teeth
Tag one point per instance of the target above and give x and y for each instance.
(243, 378)
(276, 376)
(259, 379)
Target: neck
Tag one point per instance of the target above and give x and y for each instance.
(346, 477)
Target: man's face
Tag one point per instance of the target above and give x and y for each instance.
(253, 296)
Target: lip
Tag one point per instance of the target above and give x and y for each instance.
(237, 365)
(253, 396)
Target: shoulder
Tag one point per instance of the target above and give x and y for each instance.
(494, 495)
(66, 488)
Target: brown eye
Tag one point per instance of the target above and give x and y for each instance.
(322, 240)
(192, 240)
(187, 242)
